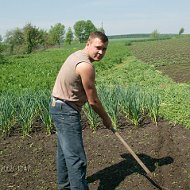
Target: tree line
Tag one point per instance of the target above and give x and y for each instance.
(29, 38)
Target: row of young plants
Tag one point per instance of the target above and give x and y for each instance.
(22, 111)
(132, 102)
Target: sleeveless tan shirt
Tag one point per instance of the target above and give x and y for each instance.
(68, 84)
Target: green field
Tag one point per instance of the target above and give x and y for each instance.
(133, 85)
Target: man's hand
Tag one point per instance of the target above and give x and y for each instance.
(108, 123)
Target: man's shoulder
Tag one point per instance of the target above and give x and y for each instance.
(81, 56)
(78, 52)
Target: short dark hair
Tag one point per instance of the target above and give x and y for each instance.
(98, 34)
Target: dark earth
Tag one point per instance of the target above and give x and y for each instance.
(28, 163)
(179, 72)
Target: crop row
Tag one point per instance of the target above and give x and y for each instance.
(23, 111)
(133, 103)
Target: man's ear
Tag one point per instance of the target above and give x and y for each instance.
(88, 43)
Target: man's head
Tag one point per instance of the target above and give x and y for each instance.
(98, 35)
(96, 46)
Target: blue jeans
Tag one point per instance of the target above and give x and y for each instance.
(71, 159)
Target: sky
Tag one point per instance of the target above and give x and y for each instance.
(116, 16)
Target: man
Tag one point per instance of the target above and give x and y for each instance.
(75, 84)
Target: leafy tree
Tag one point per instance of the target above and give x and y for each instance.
(83, 29)
(25, 40)
(2, 48)
(1, 56)
(181, 31)
(56, 34)
(89, 27)
(155, 34)
(79, 28)
(42, 38)
(14, 38)
(32, 37)
(69, 36)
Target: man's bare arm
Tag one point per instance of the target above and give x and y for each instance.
(87, 73)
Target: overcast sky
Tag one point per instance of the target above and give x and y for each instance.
(116, 16)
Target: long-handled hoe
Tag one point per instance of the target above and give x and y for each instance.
(150, 175)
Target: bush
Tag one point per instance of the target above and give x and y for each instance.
(128, 43)
(2, 58)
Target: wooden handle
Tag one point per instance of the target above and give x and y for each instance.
(134, 155)
(150, 175)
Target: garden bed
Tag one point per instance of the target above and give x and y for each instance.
(29, 163)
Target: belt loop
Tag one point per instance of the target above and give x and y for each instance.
(53, 102)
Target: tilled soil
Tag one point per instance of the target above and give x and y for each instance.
(178, 73)
(29, 163)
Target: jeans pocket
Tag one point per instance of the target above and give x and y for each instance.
(55, 108)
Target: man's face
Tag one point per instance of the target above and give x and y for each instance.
(96, 49)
